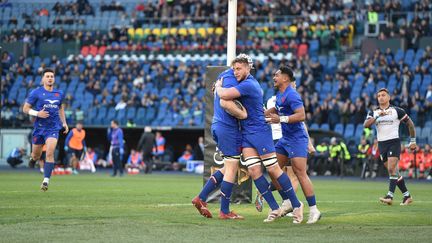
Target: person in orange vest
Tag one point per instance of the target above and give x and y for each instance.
(405, 161)
(428, 161)
(159, 149)
(418, 163)
(75, 145)
(135, 161)
(182, 160)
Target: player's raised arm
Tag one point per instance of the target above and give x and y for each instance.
(63, 119)
(371, 119)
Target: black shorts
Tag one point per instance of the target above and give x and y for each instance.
(389, 148)
(77, 153)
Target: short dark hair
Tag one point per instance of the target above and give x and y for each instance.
(115, 122)
(286, 70)
(240, 60)
(47, 70)
(383, 90)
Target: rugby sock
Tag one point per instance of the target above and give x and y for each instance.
(311, 200)
(213, 182)
(286, 185)
(283, 194)
(401, 185)
(392, 185)
(262, 185)
(48, 168)
(226, 190)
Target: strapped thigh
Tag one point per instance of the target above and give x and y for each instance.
(270, 161)
(251, 161)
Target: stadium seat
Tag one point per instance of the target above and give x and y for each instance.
(349, 131)
(339, 128)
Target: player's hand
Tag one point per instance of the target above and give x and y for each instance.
(43, 114)
(66, 128)
(311, 148)
(273, 119)
(413, 146)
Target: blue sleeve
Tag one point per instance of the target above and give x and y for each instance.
(129, 159)
(95, 158)
(229, 82)
(32, 98)
(68, 138)
(120, 134)
(294, 100)
(245, 88)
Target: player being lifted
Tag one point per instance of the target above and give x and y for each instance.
(387, 119)
(226, 133)
(45, 103)
(257, 140)
(289, 112)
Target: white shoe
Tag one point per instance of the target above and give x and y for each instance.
(429, 178)
(289, 215)
(273, 215)
(314, 216)
(298, 214)
(286, 207)
(327, 173)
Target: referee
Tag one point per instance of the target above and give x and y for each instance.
(387, 119)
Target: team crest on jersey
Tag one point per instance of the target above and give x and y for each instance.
(56, 94)
(264, 150)
(283, 99)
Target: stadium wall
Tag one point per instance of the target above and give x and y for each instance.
(176, 140)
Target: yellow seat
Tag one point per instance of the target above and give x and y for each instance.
(173, 31)
(313, 28)
(210, 30)
(147, 31)
(182, 31)
(156, 31)
(131, 33)
(165, 31)
(139, 32)
(219, 31)
(192, 31)
(293, 29)
(202, 32)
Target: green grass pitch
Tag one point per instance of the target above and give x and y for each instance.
(157, 208)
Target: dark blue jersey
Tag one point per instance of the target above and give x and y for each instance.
(51, 101)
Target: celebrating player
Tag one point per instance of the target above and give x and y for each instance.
(387, 119)
(226, 134)
(45, 103)
(289, 111)
(257, 140)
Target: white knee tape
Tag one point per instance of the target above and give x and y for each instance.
(270, 161)
(251, 161)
